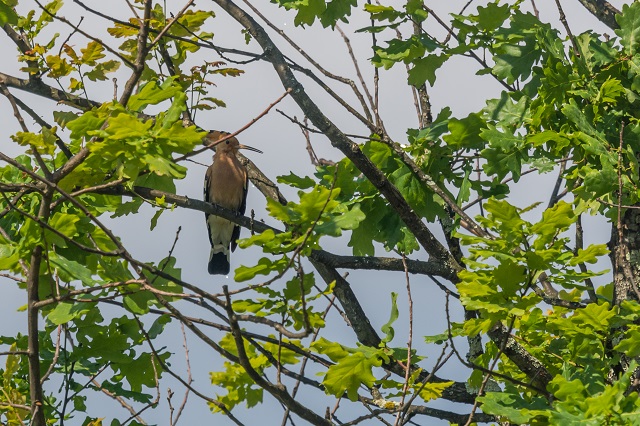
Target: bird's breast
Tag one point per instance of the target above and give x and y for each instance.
(228, 179)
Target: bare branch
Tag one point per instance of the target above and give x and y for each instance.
(430, 267)
(338, 139)
(277, 390)
(37, 87)
(143, 50)
(172, 21)
(563, 19)
(226, 136)
(369, 120)
(84, 33)
(603, 10)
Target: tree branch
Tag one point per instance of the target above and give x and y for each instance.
(37, 87)
(431, 267)
(338, 139)
(603, 10)
(33, 284)
(143, 50)
(526, 362)
(277, 390)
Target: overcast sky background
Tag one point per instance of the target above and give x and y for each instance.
(284, 151)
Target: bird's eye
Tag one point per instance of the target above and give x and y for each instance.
(227, 142)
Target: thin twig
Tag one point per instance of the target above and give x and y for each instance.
(563, 19)
(54, 361)
(143, 50)
(488, 374)
(84, 33)
(189, 376)
(535, 9)
(405, 388)
(471, 52)
(168, 25)
(237, 132)
(366, 121)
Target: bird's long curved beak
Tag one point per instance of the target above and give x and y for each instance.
(250, 148)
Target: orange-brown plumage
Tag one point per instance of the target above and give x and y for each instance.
(226, 185)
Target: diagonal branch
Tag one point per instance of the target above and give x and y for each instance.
(603, 10)
(538, 375)
(277, 390)
(338, 138)
(368, 336)
(368, 121)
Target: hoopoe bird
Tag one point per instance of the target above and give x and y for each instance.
(225, 184)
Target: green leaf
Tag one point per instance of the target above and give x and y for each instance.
(92, 53)
(154, 219)
(350, 219)
(152, 94)
(65, 312)
(387, 328)
(594, 317)
(492, 16)
(7, 15)
(139, 371)
(554, 220)
(629, 31)
(465, 133)
(600, 182)
(425, 69)
(431, 391)
(610, 91)
(308, 11)
(506, 112)
(319, 200)
(576, 114)
(590, 254)
(334, 351)
(100, 71)
(629, 345)
(349, 373)
(138, 302)
(43, 142)
(265, 266)
(337, 10)
(70, 270)
(296, 181)
(382, 13)
(512, 406)
(58, 67)
(516, 61)
(510, 276)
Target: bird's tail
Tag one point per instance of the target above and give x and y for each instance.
(219, 261)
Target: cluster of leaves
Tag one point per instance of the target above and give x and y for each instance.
(172, 52)
(577, 346)
(129, 148)
(573, 104)
(121, 147)
(576, 104)
(327, 12)
(319, 213)
(235, 380)
(348, 369)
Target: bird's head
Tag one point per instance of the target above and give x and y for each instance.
(227, 145)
